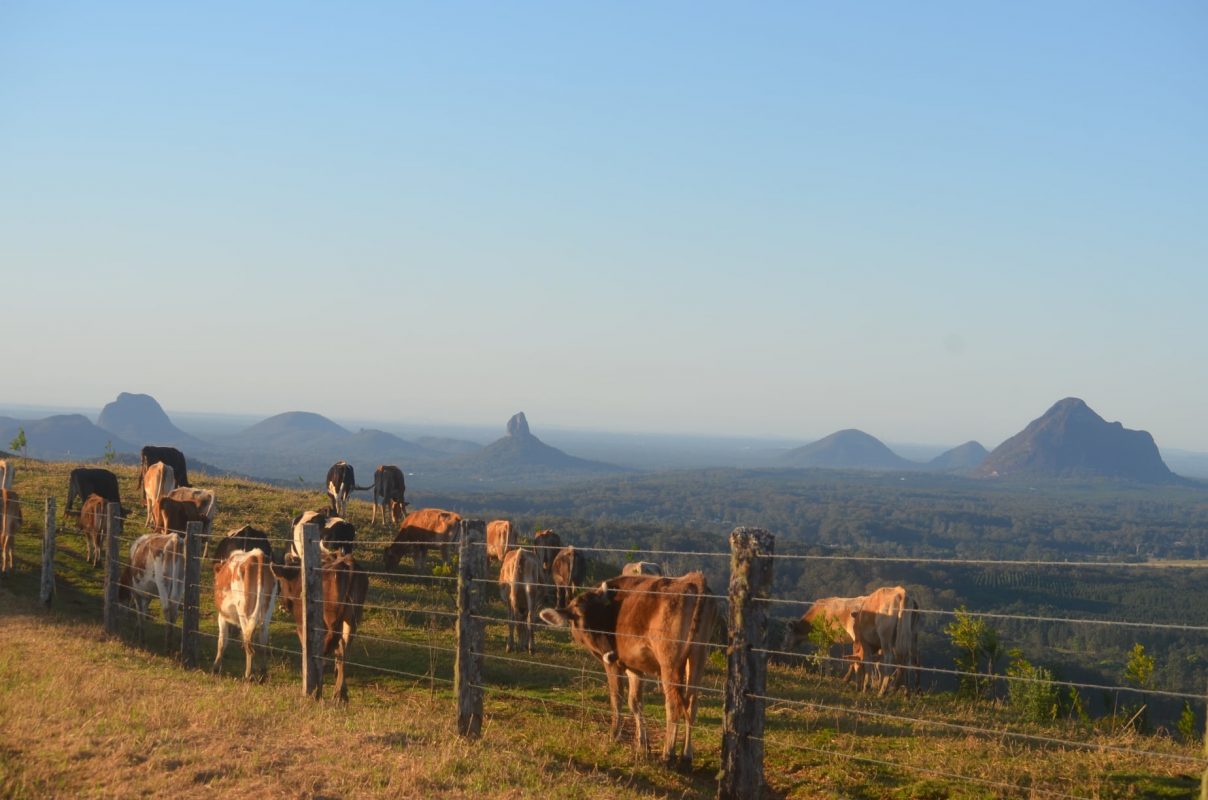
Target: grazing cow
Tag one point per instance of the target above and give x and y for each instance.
(6, 475)
(334, 533)
(175, 459)
(10, 519)
(419, 531)
(156, 481)
(570, 570)
(501, 537)
(345, 585)
(646, 625)
(157, 567)
(833, 614)
(172, 515)
(91, 480)
(245, 538)
(93, 524)
(205, 501)
(546, 545)
(388, 490)
(520, 590)
(882, 625)
(642, 568)
(244, 594)
(341, 482)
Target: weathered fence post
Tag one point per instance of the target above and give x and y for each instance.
(48, 554)
(746, 670)
(467, 670)
(113, 529)
(312, 610)
(1204, 777)
(190, 604)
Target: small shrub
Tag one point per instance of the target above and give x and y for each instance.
(1034, 697)
(1188, 726)
(823, 633)
(975, 642)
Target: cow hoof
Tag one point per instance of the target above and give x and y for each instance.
(684, 764)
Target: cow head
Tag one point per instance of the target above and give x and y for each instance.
(592, 619)
(289, 576)
(795, 632)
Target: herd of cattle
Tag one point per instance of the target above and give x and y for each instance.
(639, 624)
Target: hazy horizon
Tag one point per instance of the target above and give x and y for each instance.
(929, 223)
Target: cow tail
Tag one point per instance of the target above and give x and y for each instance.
(693, 629)
(259, 594)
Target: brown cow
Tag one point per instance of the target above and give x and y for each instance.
(156, 568)
(158, 480)
(546, 545)
(205, 500)
(882, 625)
(419, 531)
(570, 571)
(10, 519)
(521, 591)
(345, 585)
(172, 515)
(388, 490)
(501, 537)
(244, 594)
(93, 524)
(644, 625)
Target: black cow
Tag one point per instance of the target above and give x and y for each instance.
(341, 482)
(164, 455)
(334, 533)
(245, 538)
(388, 490)
(547, 544)
(91, 480)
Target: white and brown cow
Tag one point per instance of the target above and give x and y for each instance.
(10, 519)
(158, 480)
(245, 591)
(156, 569)
(521, 591)
(501, 537)
(646, 625)
(389, 489)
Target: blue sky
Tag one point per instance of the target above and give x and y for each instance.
(928, 221)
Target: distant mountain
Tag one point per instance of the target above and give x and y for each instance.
(370, 440)
(1071, 440)
(139, 418)
(447, 445)
(521, 451)
(292, 425)
(960, 458)
(63, 436)
(848, 449)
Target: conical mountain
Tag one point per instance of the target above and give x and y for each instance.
(1071, 440)
(960, 458)
(520, 449)
(847, 449)
(139, 418)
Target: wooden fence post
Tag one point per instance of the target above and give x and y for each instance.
(48, 554)
(113, 528)
(312, 613)
(190, 611)
(1204, 777)
(746, 670)
(467, 670)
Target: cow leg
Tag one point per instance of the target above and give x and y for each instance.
(222, 640)
(614, 699)
(692, 674)
(635, 707)
(886, 676)
(673, 707)
(529, 615)
(341, 688)
(247, 631)
(511, 625)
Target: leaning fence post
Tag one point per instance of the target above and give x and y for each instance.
(467, 670)
(189, 607)
(312, 612)
(113, 532)
(746, 670)
(48, 554)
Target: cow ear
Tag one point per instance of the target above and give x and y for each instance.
(554, 617)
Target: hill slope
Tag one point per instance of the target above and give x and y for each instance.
(1071, 440)
(847, 449)
(63, 436)
(139, 418)
(960, 458)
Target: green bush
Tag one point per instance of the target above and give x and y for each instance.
(976, 644)
(1034, 696)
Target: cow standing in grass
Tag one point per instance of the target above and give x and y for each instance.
(389, 489)
(10, 519)
(521, 591)
(156, 569)
(245, 591)
(93, 524)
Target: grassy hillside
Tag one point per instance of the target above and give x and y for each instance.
(107, 718)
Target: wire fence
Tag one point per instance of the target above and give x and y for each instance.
(403, 593)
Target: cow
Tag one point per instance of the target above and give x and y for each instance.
(833, 614)
(156, 568)
(520, 589)
(334, 533)
(419, 531)
(501, 537)
(546, 545)
(882, 626)
(93, 523)
(205, 501)
(245, 538)
(569, 573)
(175, 459)
(173, 515)
(245, 592)
(388, 490)
(156, 481)
(642, 568)
(341, 482)
(345, 585)
(11, 519)
(91, 480)
(646, 625)
(6, 475)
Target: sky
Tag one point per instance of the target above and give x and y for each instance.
(928, 221)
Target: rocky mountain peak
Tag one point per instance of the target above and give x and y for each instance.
(518, 425)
